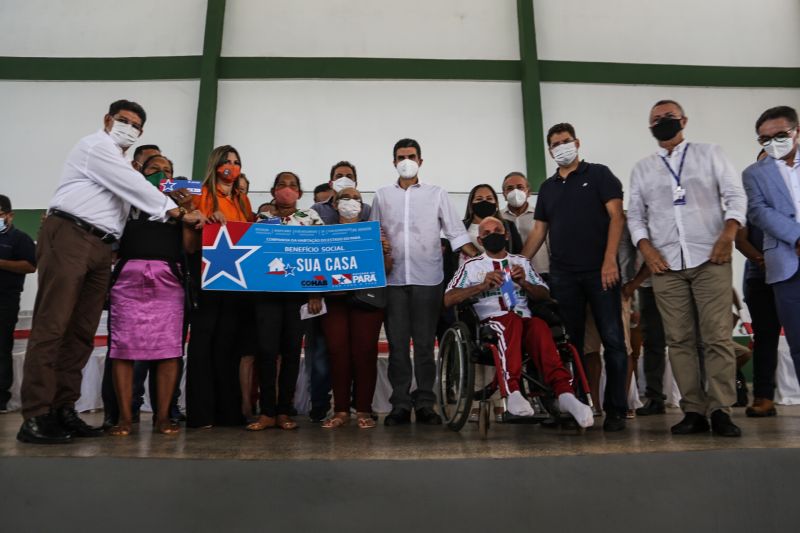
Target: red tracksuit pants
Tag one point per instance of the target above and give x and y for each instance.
(514, 332)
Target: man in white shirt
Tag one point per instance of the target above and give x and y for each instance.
(414, 215)
(520, 210)
(483, 277)
(87, 214)
(686, 205)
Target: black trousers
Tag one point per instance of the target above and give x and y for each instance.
(213, 395)
(9, 310)
(766, 334)
(280, 334)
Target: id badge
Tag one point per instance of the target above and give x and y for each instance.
(679, 196)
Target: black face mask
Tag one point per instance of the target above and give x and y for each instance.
(666, 128)
(494, 242)
(484, 209)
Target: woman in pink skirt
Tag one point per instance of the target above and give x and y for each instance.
(146, 306)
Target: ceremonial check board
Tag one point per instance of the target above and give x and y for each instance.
(240, 256)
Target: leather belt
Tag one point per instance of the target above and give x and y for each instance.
(104, 236)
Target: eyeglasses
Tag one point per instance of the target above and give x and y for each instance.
(765, 140)
(124, 120)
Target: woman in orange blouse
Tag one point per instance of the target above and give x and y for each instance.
(213, 395)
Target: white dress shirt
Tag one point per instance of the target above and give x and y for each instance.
(99, 186)
(791, 177)
(685, 234)
(413, 220)
(524, 223)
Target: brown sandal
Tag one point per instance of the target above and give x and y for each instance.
(263, 422)
(285, 422)
(337, 420)
(365, 421)
(168, 428)
(120, 431)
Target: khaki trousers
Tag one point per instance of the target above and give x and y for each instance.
(703, 292)
(74, 270)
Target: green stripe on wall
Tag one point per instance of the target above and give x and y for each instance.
(531, 96)
(189, 67)
(683, 75)
(28, 220)
(99, 68)
(367, 68)
(207, 100)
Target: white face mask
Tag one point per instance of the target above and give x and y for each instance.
(407, 169)
(3, 225)
(564, 154)
(516, 198)
(343, 183)
(778, 149)
(123, 134)
(349, 208)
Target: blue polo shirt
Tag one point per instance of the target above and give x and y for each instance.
(15, 245)
(575, 211)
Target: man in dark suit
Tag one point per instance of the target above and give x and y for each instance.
(773, 205)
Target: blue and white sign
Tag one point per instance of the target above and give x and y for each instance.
(194, 187)
(267, 257)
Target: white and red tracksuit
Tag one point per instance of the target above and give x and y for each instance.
(515, 327)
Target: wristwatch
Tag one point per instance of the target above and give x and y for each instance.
(181, 213)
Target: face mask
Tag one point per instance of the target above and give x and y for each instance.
(286, 196)
(155, 179)
(407, 169)
(565, 154)
(3, 225)
(666, 128)
(778, 149)
(494, 242)
(343, 183)
(228, 172)
(123, 134)
(484, 209)
(349, 208)
(516, 198)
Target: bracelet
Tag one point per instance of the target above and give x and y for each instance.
(181, 213)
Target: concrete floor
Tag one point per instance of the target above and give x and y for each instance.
(644, 435)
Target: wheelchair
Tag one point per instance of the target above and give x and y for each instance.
(468, 343)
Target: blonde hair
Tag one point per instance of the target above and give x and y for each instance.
(219, 157)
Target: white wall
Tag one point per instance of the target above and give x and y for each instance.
(441, 29)
(101, 28)
(470, 132)
(760, 33)
(48, 118)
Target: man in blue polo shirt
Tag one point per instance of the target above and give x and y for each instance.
(17, 258)
(580, 207)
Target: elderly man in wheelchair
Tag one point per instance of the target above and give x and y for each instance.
(499, 284)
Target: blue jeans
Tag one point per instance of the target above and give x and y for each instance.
(318, 366)
(574, 290)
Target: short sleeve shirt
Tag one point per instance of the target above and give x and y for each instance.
(15, 245)
(228, 205)
(490, 303)
(575, 211)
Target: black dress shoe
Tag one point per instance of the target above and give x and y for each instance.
(397, 417)
(722, 425)
(43, 429)
(68, 419)
(691, 423)
(109, 423)
(652, 407)
(427, 416)
(613, 422)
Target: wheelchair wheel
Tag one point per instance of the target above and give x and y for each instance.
(456, 376)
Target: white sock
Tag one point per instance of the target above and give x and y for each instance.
(580, 411)
(518, 405)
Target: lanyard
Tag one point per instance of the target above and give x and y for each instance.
(680, 168)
